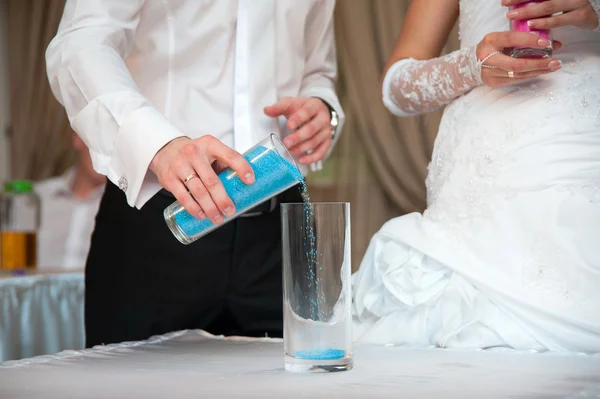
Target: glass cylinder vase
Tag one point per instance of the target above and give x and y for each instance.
(317, 287)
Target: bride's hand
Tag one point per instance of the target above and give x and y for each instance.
(500, 69)
(578, 13)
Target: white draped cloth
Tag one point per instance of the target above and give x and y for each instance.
(41, 314)
(194, 364)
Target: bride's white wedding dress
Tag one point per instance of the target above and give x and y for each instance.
(508, 251)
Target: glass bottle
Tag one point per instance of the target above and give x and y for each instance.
(19, 224)
(521, 25)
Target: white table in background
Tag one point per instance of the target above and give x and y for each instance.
(194, 364)
(41, 314)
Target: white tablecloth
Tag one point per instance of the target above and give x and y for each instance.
(41, 314)
(193, 364)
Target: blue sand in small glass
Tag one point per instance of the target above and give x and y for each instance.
(273, 174)
(320, 354)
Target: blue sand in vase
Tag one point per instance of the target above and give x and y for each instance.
(320, 354)
(273, 174)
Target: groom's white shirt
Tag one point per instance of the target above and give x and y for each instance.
(135, 74)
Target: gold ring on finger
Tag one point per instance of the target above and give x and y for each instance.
(190, 177)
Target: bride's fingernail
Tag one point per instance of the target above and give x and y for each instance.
(512, 14)
(531, 23)
(556, 64)
(543, 42)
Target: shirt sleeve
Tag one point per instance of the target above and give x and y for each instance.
(88, 75)
(321, 59)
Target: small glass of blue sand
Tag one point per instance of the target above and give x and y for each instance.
(317, 319)
(275, 171)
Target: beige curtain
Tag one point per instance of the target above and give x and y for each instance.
(381, 161)
(41, 140)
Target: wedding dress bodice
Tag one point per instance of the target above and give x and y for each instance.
(521, 113)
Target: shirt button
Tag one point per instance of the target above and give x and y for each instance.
(123, 184)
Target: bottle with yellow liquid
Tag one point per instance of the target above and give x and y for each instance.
(19, 223)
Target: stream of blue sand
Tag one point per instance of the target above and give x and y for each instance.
(273, 174)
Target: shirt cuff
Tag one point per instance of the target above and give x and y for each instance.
(140, 137)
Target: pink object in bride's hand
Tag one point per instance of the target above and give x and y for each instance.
(520, 25)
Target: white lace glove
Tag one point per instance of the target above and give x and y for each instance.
(412, 87)
(596, 6)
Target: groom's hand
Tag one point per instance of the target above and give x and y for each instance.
(310, 120)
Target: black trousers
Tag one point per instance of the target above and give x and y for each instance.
(140, 281)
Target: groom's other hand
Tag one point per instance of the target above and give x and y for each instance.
(310, 120)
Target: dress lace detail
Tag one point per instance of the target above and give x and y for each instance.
(462, 150)
(413, 87)
(590, 189)
(455, 202)
(546, 277)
